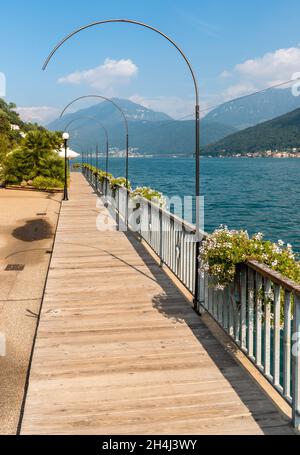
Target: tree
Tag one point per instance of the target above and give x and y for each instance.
(35, 157)
(4, 123)
(4, 147)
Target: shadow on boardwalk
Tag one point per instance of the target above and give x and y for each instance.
(259, 405)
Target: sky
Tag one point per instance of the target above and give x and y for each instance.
(235, 47)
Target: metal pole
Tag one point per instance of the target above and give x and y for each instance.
(126, 128)
(197, 119)
(97, 166)
(127, 181)
(127, 136)
(197, 191)
(106, 167)
(66, 197)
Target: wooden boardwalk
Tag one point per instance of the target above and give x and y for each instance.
(120, 351)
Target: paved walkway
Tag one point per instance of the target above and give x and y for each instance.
(27, 225)
(120, 351)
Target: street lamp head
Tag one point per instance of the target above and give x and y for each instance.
(65, 136)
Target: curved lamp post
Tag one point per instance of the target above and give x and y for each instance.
(126, 140)
(97, 152)
(126, 129)
(197, 119)
(66, 137)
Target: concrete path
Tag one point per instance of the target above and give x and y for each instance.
(27, 226)
(120, 351)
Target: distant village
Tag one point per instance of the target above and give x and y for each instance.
(288, 153)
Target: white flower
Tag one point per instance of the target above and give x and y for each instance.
(276, 249)
(220, 287)
(270, 294)
(281, 242)
(259, 236)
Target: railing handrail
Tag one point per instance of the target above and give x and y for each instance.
(276, 277)
(263, 269)
(188, 226)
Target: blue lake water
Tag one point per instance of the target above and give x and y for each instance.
(260, 195)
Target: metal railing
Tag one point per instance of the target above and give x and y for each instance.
(260, 310)
(170, 237)
(261, 313)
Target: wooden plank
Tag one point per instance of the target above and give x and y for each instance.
(120, 351)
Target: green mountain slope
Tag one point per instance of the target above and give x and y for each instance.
(278, 134)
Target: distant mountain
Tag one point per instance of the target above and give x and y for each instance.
(259, 108)
(278, 134)
(108, 114)
(150, 132)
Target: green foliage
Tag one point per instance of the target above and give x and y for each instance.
(98, 172)
(119, 181)
(42, 141)
(150, 194)
(4, 146)
(34, 157)
(223, 250)
(12, 115)
(4, 123)
(24, 158)
(8, 117)
(278, 134)
(102, 176)
(47, 183)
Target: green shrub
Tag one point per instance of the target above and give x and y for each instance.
(223, 250)
(151, 195)
(47, 183)
(35, 157)
(119, 181)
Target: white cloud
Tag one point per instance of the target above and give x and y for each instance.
(38, 114)
(271, 69)
(225, 74)
(237, 90)
(104, 77)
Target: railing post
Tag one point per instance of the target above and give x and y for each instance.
(243, 303)
(296, 363)
(161, 238)
(117, 193)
